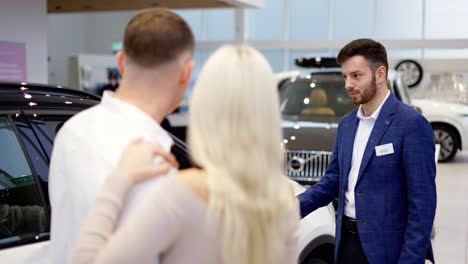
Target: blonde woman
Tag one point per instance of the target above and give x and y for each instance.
(238, 208)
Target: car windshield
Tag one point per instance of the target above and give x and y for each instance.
(320, 95)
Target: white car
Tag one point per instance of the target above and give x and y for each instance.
(316, 234)
(449, 122)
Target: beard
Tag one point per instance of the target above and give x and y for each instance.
(366, 93)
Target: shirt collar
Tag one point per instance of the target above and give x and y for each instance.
(137, 117)
(376, 113)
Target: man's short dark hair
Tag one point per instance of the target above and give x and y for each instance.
(157, 36)
(371, 50)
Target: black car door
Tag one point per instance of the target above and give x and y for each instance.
(24, 216)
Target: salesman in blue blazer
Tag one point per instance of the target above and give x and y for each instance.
(382, 169)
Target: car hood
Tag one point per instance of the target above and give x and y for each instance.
(304, 134)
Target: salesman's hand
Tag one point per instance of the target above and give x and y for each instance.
(137, 161)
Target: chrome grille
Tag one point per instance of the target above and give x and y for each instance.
(306, 165)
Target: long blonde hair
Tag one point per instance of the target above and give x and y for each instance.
(235, 137)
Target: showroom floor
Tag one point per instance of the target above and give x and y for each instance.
(451, 224)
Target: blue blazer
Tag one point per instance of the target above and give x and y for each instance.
(395, 194)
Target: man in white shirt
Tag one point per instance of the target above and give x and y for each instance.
(155, 64)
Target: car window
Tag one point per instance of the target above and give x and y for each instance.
(22, 214)
(39, 137)
(321, 95)
(46, 128)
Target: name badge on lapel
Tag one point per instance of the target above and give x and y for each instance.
(384, 149)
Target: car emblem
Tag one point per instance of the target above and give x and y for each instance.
(296, 164)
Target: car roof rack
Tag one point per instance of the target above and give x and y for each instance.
(317, 62)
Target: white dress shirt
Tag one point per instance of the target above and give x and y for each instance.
(86, 150)
(365, 126)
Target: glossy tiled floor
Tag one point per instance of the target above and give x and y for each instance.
(451, 223)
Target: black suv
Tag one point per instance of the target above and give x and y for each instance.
(30, 116)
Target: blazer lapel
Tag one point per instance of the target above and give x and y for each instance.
(350, 128)
(381, 124)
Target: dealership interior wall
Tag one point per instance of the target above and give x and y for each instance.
(25, 21)
(432, 32)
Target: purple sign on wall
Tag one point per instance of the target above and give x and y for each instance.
(12, 61)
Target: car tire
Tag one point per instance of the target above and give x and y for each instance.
(446, 137)
(411, 72)
(314, 261)
(323, 254)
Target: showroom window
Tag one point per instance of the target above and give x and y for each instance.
(275, 57)
(446, 21)
(200, 56)
(307, 19)
(351, 25)
(194, 19)
(210, 25)
(217, 25)
(220, 25)
(22, 216)
(398, 19)
(266, 23)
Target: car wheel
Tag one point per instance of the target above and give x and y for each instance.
(446, 138)
(411, 72)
